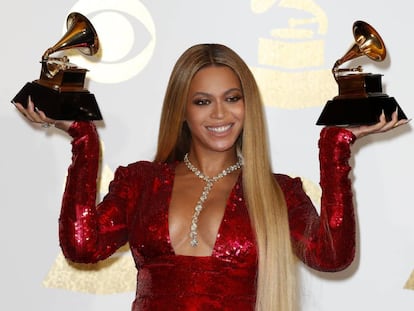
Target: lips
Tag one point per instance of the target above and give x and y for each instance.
(219, 129)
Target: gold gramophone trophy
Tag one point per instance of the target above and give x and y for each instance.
(60, 91)
(360, 100)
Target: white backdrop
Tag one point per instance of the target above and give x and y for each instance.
(291, 46)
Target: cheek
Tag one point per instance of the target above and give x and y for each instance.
(239, 112)
(191, 118)
(188, 114)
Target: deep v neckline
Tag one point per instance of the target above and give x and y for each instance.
(220, 228)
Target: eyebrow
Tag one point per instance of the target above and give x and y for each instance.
(226, 92)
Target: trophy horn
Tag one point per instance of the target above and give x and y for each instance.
(80, 34)
(367, 42)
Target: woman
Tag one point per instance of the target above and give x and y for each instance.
(224, 242)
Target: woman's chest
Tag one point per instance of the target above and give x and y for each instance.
(150, 232)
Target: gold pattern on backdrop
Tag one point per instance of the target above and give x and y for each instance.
(288, 57)
(410, 282)
(117, 274)
(313, 190)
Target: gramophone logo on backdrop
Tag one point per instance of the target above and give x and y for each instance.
(288, 58)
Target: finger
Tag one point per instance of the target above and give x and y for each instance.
(32, 112)
(374, 128)
(365, 130)
(37, 114)
(20, 107)
(401, 121)
(24, 111)
(28, 112)
(390, 124)
(395, 122)
(44, 118)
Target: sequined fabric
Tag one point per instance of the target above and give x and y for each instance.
(136, 211)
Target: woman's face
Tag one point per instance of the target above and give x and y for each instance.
(215, 109)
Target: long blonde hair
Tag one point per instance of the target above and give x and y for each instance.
(276, 278)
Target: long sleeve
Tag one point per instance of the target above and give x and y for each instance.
(88, 233)
(327, 241)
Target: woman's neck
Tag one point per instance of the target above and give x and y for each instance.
(211, 163)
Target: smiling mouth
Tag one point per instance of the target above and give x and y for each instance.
(219, 129)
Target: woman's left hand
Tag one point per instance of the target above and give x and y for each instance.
(380, 127)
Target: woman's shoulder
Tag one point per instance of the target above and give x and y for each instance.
(287, 182)
(294, 192)
(285, 178)
(146, 168)
(150, 164)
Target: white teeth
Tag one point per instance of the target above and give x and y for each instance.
(219, 129)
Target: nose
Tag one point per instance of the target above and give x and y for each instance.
(219, 110)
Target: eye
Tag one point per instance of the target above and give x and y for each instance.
(201, 101)
(233, 98)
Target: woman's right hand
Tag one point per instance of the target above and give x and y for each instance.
(37, 116)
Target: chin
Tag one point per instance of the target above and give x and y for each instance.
(224, 148)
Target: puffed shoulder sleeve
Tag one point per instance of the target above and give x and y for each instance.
(87, 232)
(325, 241)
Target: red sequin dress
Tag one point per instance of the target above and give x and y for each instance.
(135, 210)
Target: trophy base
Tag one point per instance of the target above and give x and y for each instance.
(59, 105)
(358, 111)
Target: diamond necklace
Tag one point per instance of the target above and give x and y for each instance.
(206, 190)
